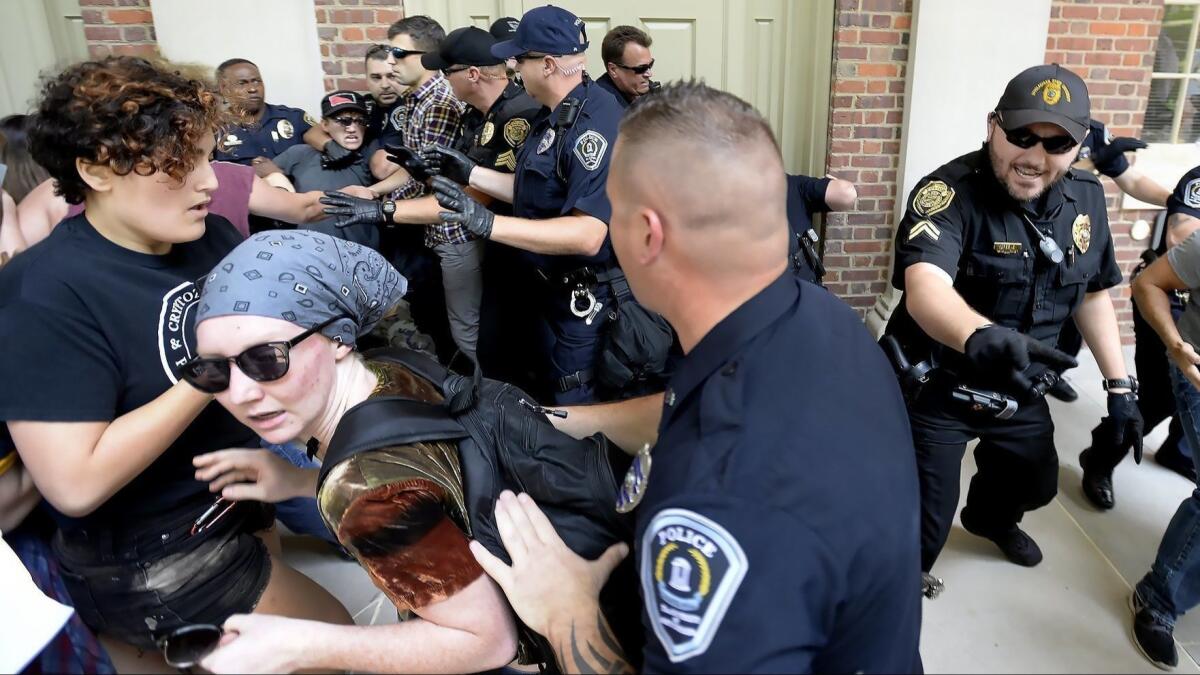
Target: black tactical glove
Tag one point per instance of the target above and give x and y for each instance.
(347, 210)
(448, 162)
(1124, 422)
(1106, 156)
(464, 210)
(409, 159)
(1005, 355)
(334, 156)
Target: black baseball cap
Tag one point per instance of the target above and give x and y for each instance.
(337, 101)
(468, 46)
(545, 30)
(1047, 93)
(504, 28)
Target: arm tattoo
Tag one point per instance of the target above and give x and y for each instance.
(603, 653)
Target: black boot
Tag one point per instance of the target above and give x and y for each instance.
(1018, 547)
(1097, 485)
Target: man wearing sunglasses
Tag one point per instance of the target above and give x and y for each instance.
(628, 64)
(344, 119)
(999, 249)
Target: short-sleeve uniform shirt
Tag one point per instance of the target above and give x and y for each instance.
(962, 220)
(563, 168)
(280, 128)
(805, 197)
(753, 556)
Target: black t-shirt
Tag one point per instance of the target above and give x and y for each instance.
(90, 331)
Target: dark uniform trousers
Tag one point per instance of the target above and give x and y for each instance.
(1016, 459)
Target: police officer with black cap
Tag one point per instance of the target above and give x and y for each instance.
(495, 126)
(560, 209)
(997, 250)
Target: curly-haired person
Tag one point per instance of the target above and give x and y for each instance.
(94, 323)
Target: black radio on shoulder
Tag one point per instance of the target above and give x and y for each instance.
(568, 111)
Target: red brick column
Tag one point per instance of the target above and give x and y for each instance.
(866, 111)
(1110, 44)
(118, 27)
(345, 30)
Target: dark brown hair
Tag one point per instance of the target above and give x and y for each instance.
(612, 49)
(24, 174)
(426, 33)
(123, 112)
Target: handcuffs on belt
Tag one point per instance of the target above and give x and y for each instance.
(582, 301)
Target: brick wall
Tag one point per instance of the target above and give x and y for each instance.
(866, 112)
(118, 27)
(1110, 44)
(346, 29)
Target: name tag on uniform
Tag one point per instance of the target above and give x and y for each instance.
(1007, 247)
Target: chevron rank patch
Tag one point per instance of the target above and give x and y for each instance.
(924, 227)
(691, 567)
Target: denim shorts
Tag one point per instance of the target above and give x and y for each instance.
(139, 586)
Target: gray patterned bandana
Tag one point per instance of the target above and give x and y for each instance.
(306, 278)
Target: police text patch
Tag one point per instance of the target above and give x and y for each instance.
(590, 148)
(691, 568)
(1191, 193)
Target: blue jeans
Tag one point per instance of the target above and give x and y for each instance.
(1173, 585)
(300, 514)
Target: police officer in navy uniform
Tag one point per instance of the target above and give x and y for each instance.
(560, 210)
(777, 514)
(270, 128)
(806, 196)
(997, 250)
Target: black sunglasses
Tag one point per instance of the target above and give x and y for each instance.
(261, 363)
(640, 70)
(522, 58)
(446, 72)
(399, 52)
(186, 647)
(1025, 139)
(348, 120)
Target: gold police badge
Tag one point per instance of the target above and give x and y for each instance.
(515, 131)
(1053, 91)
(486, 135)
(933, 198)
(285, 129)
(1081, 232)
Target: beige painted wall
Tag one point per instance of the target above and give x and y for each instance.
(36, 37)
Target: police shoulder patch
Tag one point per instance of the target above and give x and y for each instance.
(399, 114)
(691, 568)
(590, 148)
(1191, 193)
(310, 120)
(515, 131)
(932, 198)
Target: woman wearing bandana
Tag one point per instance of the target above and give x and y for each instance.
(277, 327)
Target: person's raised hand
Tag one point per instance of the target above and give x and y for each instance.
(448, 162)
(244, 474)
(463, 210)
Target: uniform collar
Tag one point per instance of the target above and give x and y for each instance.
(513, 89)
(729, 335)
(580, 92)
(608, 83)
(1043, 209)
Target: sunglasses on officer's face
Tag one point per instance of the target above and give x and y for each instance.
(349, 120)
(262, 363)
(1025, 139)
(399, 52)
(447, 72)
(640, 70)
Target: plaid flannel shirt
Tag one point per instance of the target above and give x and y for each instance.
(434, 116)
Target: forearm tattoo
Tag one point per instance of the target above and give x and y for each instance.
(591, 647)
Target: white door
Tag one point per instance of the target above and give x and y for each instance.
(37, 37)
(776, 54)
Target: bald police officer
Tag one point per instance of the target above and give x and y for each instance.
(560, 211)
(997, 250)
(752, 554)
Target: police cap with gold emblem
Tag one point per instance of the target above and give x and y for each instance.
(468, 46)
(1047, 93)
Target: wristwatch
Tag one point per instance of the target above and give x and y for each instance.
(1129, 383)
(389, 209)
